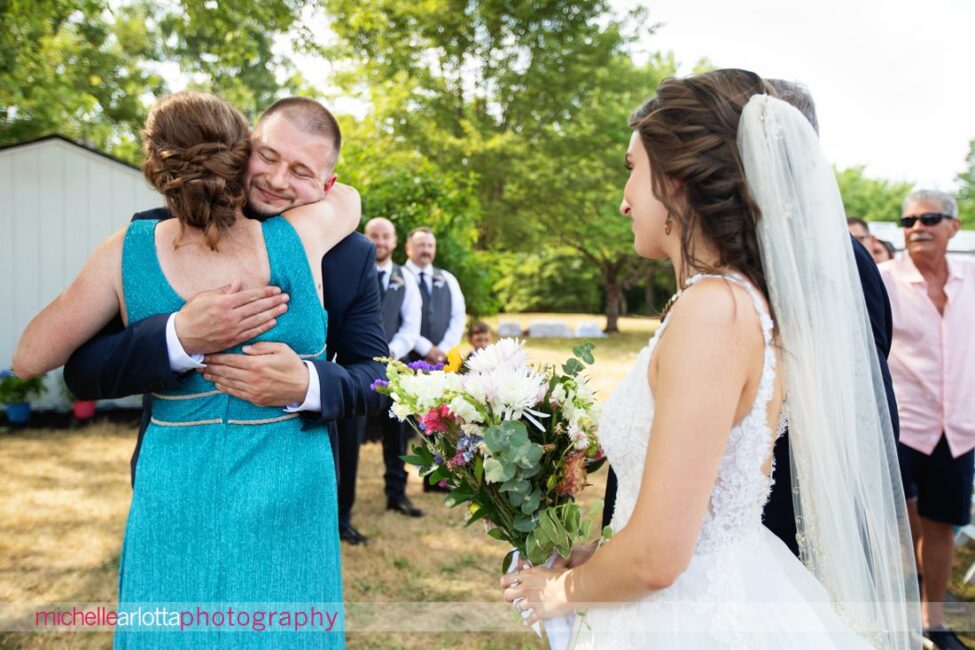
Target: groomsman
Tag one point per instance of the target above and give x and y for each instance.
(399, 300)
(442, 324)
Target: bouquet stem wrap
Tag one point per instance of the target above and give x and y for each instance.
(558, 629)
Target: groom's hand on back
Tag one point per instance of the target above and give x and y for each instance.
(267, 374)
(222, 318)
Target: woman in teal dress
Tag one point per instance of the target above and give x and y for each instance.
(232, 535)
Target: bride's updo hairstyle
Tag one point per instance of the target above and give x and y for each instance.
(197, 147)
(690, 130)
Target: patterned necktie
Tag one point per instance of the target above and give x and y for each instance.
(424, 289)
(382, 288)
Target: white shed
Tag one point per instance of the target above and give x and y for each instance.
(58, 200)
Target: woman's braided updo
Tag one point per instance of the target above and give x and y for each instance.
(197, 148)
(690, 132)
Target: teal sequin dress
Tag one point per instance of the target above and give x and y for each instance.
(234, 505)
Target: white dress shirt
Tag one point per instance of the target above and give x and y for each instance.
(458, 310)
(180, 362)
(411, 311)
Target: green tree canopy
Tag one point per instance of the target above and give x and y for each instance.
(966, 190)
(75, 67)
(872, 199)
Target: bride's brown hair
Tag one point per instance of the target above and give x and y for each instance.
(690, 130)
(197, 147)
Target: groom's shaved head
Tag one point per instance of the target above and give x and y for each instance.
(798, 95)
(309, 116)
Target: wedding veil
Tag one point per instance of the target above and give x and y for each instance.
(852, 523)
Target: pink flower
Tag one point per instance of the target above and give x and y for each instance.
(573, 474)
(436, 420)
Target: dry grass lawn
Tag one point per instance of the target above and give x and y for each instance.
(64, 498)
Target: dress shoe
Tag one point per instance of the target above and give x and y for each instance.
(349, 534)
(944, 638)
(403, 506)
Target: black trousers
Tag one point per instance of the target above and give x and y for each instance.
(351, 432)
(395, 437)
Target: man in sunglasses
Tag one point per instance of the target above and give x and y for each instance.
(932, 300)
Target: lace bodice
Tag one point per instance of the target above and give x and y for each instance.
(741, 488)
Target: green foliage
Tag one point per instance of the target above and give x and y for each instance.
(229, 47)
(966, 190)
(553, 279)
(75, 67)
(14, 390)
(532, 98)
(870, 198)
(411, 191)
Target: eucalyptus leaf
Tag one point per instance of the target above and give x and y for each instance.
(525, 524)
(497, 472)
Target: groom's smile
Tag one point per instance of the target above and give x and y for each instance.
(288, 167)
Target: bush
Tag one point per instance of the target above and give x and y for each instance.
(14, 390)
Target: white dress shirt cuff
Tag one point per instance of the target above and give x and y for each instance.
(313, 398)
(179, 361)
(423, 345)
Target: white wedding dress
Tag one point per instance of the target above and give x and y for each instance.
(743, 587)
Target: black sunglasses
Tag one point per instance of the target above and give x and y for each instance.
(928, 219)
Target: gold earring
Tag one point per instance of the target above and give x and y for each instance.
(669, 224)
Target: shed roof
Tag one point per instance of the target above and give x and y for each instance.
(57, 136)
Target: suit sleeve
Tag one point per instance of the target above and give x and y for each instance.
(881, 321)
(345, 382)
(120, 362)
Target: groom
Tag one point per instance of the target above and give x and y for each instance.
(295, 146)
(779, 515)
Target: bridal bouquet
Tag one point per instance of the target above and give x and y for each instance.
(513, 441)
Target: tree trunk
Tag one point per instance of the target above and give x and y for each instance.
(614, 298)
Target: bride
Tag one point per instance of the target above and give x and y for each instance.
(769, 327)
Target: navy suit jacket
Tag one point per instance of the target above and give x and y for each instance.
(122, 361)
(779, 515)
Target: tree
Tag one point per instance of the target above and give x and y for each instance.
(228, 48)
(966, 189)
(412, 191)
(78, 68)
(872, 199)
(574, 186)
(530, 97)
(475, 85)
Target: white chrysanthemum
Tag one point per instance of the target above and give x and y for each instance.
(506, 352)
(463, 409)
(516, 389)
(480, 387)
(427, 389)
(453, 382)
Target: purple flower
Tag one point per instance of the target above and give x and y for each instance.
(423, 366)
(465, 449)
(5, 373)
(438, 459)
(379, 383)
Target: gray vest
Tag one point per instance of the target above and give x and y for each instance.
(391, 302)
(436, 310)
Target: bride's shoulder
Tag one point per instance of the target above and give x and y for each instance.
(714, 302)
